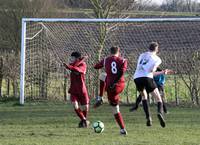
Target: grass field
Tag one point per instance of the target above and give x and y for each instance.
(56, 124)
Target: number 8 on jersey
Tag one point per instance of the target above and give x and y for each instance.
(114, 67)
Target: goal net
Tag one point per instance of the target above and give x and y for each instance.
(47, 43)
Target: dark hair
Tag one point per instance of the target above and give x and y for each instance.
(114, 49)
(158, 69)
(153, 45)
(76, 54)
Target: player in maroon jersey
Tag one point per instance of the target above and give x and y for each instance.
(78, 90)
(115, 66)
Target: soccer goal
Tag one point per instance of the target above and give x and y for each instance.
(47, 43)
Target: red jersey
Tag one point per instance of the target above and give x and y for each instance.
(77, 78)
(113, 65)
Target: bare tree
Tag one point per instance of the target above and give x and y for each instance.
(180, 5)
(108, 9)
(77, 3)
(142, 5)
(12, 13)
(191, 77)
(11, 72)
(191, 5)
(1, 74)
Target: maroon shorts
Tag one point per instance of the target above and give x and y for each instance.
(113, 94)
(82, 99)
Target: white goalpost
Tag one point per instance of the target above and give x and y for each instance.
(47, 42)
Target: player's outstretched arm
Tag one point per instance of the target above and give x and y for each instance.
(81, 68)
(169, 71)
(65, 65)
(165, 72)
(99, 65)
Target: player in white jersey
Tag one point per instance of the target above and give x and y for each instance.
(143, 78)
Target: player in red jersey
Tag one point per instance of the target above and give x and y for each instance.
(115, 66)
(78, 90)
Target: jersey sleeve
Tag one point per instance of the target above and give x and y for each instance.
(81, 68)
(157, 63)
(124, 66)
(99, 65)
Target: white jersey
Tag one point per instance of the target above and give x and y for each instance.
(146, 65)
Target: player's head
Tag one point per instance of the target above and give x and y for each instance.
(153, 47)
(114, 50)
(75, 56)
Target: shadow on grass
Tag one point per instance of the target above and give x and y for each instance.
(10, 100)
(17, 104)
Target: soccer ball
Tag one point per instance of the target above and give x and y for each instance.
(98, 126)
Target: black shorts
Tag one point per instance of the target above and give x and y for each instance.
(145, 83)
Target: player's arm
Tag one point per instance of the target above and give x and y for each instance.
(81, 60)
(165, 72)
(81, 68)
(120, 74)
(99, 65)
(158, 73)
(155, 66)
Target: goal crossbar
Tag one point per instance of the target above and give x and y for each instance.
(110, 20)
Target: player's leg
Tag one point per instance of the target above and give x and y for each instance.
(146, 107)
(119, 118)
(85, 109)
(99, 99)
(162, 93)
(79, 112)
(113, 97)
(84, 101)
(102, 88)
(164, 106)
(156, 94)
(140, 85)
(138, 101)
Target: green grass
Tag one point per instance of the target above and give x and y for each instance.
(56, 124)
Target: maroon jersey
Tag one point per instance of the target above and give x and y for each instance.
(113, 65)
(77, 78)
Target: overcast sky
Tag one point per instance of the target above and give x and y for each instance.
(160, 1)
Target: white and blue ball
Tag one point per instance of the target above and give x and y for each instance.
(98, 127)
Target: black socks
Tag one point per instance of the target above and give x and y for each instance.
(146, 108)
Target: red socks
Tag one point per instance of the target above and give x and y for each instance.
(119, 120)
(85, 112)
(102, 88)
(80, 114)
